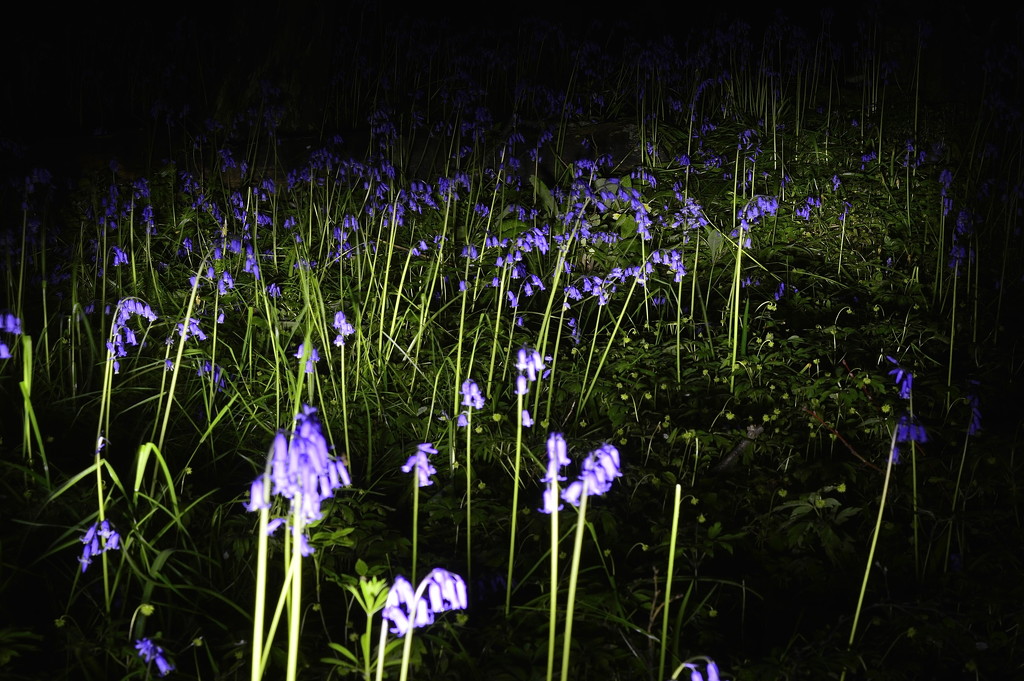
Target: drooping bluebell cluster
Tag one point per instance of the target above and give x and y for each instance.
(123, 334)
(98, 539)
(343, 327)
(191, 330)
(420, 462)
(907, 428)
(152, 653)
(12, 325)
(904, 379)
(471, 398)
(711, 669)
(530, 365)
(301, 470)
(314, 357)
(407, 608)
(558, 456)
(216, 373)
(751, 214)
(598, 471)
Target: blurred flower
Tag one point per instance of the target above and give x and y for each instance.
(908, 430)
(111, 541)
(530, 362)
(974, 427)
(599, 469)
(314, 357)
(439, 591)
(471, 395)
(218, 375)
(150, 652)
(421, 462)
(10, 323)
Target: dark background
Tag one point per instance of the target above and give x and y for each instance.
(104, 70)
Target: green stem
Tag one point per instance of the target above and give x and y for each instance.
(573, 574)
(668, 582)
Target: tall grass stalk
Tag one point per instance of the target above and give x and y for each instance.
(30, 425)
(874, 543)
(669, 575)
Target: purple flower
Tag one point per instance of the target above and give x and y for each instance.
(343, 327)
(908, 430)
(420, 461)
(530, 362)
(10, 323)
(302, 470)
(439, 592)
(558, 456)
(903, 379)
(471, 395)
(192, 330)
(111, 541)
(123, 334)
(599, 469)
(314, 357)
(218, 375)
(120, 257)
(150, 652)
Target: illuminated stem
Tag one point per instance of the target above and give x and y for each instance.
(573, 574)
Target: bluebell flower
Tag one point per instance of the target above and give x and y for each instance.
(10, 323)
(218, 375)
(192, 330)
(420, 461)
(558, 456)
(974, 427)
(908, 430)
(150, 652)
(471, 395)
(123, 334)
(314, 357)
(440, 591)
(903, 379)
(530, 362)
(120, 257)
(301, 470)
(599, 469)
(343, 327)
(93, 546)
